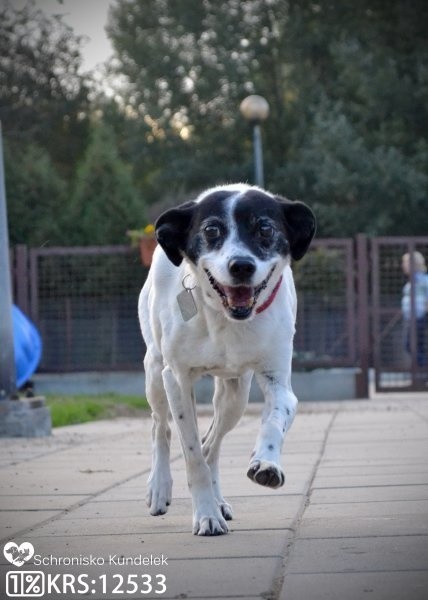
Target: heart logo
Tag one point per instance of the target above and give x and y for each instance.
(18, 555)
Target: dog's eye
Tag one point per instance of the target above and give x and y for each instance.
(212, 232)
(266, 231)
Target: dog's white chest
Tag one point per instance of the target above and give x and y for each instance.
(206, 357)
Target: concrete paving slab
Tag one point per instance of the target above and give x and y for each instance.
(183, 578)
(325, 470)
(336, 461)
(253, 577)
(63, 481)
(232, 486)
(352, 515)
(330, 555)
(38, 501)
(354, 480)
(14, 521)
(252, 514)
(385, 585)
(236, 544)
(376, 434)
(405, 449)
(373, 493)
(245, 506)
(80, 528)
(363, 526)
(368, 509)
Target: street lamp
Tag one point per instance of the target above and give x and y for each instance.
(255, 109)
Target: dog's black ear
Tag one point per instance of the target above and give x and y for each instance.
(300, 225)
(172, 230)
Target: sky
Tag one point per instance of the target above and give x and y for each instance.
(87, 17)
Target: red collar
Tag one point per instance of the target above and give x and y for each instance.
(271, 298)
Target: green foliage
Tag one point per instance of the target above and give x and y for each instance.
(321, 272)
(104, 203)
(43, 98)
(70, 410)
(73, 411)
(353, 187)
(36, 196)
(347, 85)
(185, 84)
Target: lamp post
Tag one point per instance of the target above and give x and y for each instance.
(255, 109)
(7, 357)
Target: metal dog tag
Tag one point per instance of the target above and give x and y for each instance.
(187, 304)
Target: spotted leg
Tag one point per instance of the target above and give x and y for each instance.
(278, 415)
(207, 515)
(160, 480)
(230, 399)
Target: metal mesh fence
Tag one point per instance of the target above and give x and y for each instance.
(84, 301)
(85, 304)
(399, 313)
(325, 329)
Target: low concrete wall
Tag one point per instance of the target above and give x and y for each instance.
(320, 384)
(28, 417)
(325, 384)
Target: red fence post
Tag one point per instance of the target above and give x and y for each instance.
(363, 316)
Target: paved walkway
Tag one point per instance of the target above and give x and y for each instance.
(350, 523)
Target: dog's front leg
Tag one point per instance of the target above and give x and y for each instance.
(160, 481)
(207, 516)
(278, 415)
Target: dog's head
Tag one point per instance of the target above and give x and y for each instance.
(238, 240)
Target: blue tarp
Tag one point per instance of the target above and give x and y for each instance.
(28, 346)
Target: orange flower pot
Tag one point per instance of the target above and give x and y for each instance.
(147, 247)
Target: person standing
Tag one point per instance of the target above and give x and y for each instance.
(418, 279)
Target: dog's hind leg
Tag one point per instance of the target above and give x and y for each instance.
(160, 480)
(230, 399)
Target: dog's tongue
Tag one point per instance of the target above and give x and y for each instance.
(240, 295)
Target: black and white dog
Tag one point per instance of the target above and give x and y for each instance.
(220, 300)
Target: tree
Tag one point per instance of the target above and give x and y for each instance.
(104, 202)
(43, 98)
(184, 91)
(36, 197)
(347, 85)
(356, 187)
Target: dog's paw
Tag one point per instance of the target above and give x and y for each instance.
(159, 497)
(266, 473)
(226, 510)
(209, 525)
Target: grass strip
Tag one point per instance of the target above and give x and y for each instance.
(80, 408)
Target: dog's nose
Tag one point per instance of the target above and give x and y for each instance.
(242, 267)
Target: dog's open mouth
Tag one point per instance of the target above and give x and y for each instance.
(239, 300)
